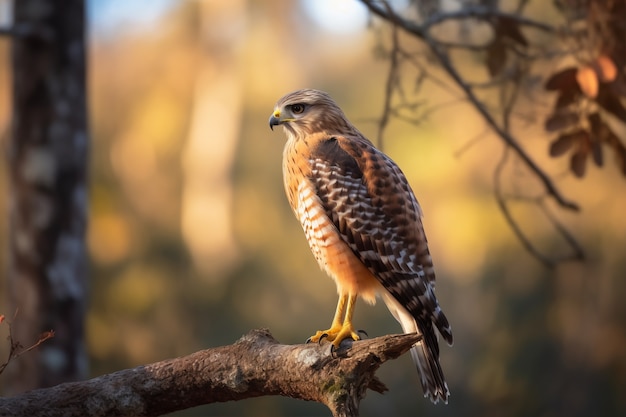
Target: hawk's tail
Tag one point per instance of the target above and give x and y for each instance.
(425, 353)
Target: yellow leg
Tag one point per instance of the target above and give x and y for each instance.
(341, 327)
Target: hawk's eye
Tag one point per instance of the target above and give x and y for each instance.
(297, 108)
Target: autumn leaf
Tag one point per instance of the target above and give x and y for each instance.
(587, 80)
(620, 156)
(562, 80)
(567, 97)
(560, 121)
(606, 69)
(578, 162)
(509, 28)
(619, 87)
(620, 151)
(596, 153)
(496, 58)
(565, 142)
(611, 103)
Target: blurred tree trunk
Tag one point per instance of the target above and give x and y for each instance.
(47, 158)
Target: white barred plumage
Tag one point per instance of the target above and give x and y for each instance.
(363, 224)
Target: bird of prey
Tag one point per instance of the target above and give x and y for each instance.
(363, 225)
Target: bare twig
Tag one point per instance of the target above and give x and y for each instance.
(16, 349)
(508, 103)
(508, 217)
(254, 366)
(444, 59)
(392, 79)
(484, 13)
(509, 86)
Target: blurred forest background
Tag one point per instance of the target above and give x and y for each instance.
(192, 243)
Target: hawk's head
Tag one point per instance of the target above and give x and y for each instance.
(304, 112)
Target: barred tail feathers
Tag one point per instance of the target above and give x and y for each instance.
(425, 353)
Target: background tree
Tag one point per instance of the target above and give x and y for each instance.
(47, 196)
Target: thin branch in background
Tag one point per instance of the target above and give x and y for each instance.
(447, 65)
(471, 142)
(507, 107)
(484, 13)
(577, 251)
(392, 80)
(424, 73)
(508, 99)
(508, 217)
(16, 349)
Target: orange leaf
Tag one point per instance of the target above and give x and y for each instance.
(587, 81)
(606, 69)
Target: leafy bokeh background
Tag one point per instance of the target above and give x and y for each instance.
(192, 242)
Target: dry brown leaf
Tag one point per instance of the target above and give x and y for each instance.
(619, 86)
(620, 156)
(567, 97)
(578, 162)
(510, 28)
(496, 58)
(587, 80)
(611, 102)
(562, 80)
(564, 142)
(596, 153)
(561, 120)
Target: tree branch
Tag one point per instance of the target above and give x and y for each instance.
(485, 13)
(422, 33)
(254, 366)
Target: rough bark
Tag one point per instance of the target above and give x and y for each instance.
(47, 202)
(254, 366)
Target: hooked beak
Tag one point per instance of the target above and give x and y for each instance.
(275, 119)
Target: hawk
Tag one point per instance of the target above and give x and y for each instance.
(363, 224)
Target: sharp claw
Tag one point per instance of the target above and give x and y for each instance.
(332, 351)
(364, 332)
(307, 341)
(322, 338)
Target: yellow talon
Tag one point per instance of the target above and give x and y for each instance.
(335, 335)
(340, 329)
